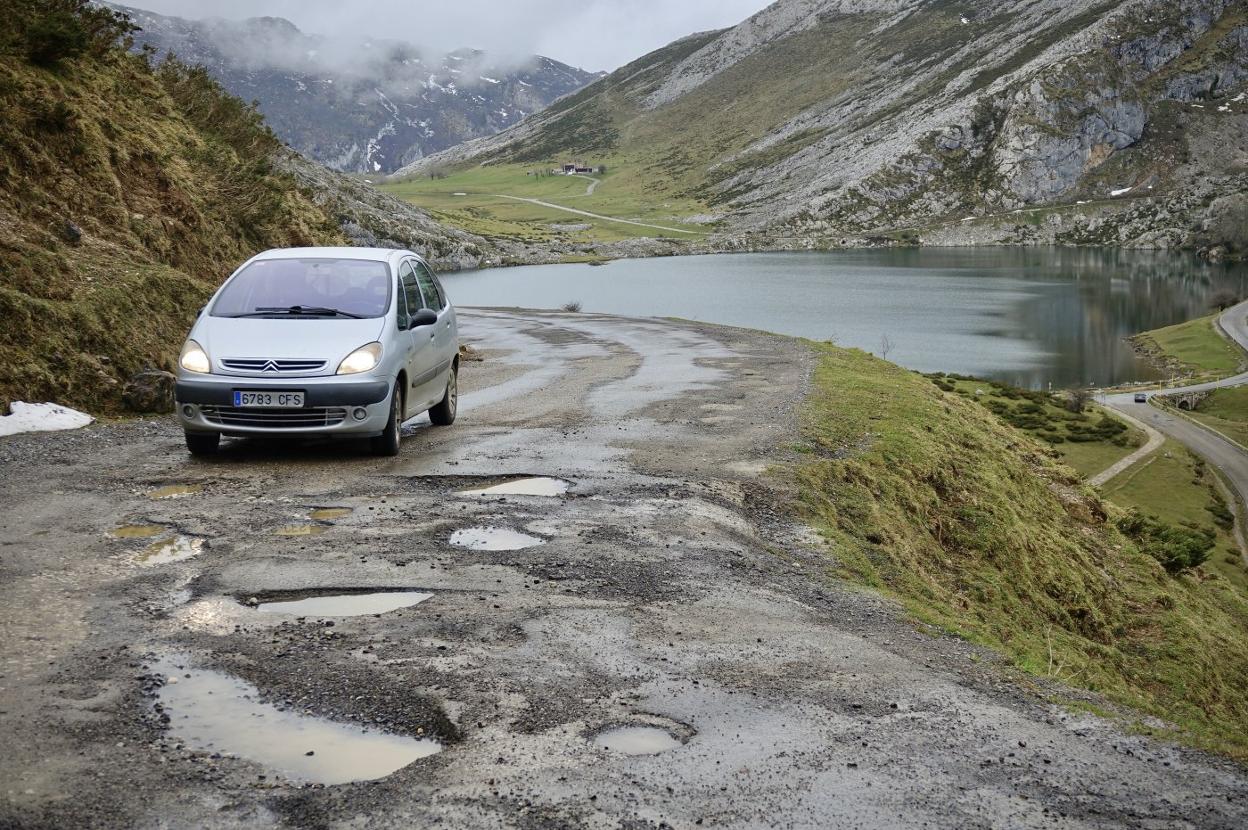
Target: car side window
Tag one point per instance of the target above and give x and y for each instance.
(400, 307)
(437, 283)
(411, 289)
(425, 277)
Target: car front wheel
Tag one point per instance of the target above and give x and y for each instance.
(443, 413)
(388, 442)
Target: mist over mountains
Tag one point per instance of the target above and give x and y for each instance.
(360, 105)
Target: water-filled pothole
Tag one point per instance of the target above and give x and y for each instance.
(353, 604)
(165, 551)
(301, 530)
(637, 740)
(536, 486)
(329, 514)
(215, 712)
(494, 538)
(137, 531)
(173, 491)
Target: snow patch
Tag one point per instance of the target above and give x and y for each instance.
(489, 80)
(41, 417)
(1120, 191)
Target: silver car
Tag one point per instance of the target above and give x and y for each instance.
(320, 341)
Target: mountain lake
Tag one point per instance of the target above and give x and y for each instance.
(1034, 317)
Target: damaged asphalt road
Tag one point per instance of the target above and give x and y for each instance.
(642, 639)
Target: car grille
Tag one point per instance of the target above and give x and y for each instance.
(315, 416)
(267, 366)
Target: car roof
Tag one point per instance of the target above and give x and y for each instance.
(372, 254)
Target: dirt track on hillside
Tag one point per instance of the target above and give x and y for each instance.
(672, 589)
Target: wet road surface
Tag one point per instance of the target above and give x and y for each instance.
(667, 652)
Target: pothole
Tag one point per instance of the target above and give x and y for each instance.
(301, 530)
(349, 604)
(166, 551)
(534, 486)
(137, 531)
(174, 491)
(212, 711)
(637, 740)
(494, 538)
(329, 514)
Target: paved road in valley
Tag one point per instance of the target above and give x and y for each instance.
(1217, 450)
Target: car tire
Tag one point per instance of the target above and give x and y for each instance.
(387, 444)
(443, 412)
(203, 443)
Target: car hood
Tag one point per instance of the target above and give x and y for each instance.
(328, 339)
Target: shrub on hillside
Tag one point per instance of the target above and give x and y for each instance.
(1177, 548)
(52, 31)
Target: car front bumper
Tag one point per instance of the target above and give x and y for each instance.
(332, 405)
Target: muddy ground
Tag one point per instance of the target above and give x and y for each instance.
(145, 681)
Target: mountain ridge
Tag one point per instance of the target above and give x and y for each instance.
(818, 123)
(368, 106)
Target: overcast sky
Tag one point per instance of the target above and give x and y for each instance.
(592, 34)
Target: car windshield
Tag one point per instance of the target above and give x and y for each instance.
(307, 288)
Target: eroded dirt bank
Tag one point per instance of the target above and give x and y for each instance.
(652, 597)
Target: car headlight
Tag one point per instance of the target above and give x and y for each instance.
(360, 360)
(194, 358)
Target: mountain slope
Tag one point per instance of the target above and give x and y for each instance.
(837, 121)
(127, 193)
(366, 107)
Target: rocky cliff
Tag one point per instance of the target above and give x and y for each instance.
(369, 106)
(829, 122)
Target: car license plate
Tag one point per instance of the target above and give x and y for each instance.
(269, 400)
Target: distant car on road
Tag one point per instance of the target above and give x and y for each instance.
(1141, 397)
(311, 341)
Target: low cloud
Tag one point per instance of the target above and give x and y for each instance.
(593, 34)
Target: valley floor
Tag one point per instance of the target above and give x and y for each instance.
(673, 588)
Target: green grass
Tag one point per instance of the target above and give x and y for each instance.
(1090, 441)
(1178, 487)
(1226, 410)
(977, 528)
(471, 199)
(1194, 348)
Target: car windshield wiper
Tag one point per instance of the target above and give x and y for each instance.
(309, 310)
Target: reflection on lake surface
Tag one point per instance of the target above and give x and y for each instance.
(1030, 316)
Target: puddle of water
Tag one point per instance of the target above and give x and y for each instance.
(301, 530)
(212, 711)
(494, 538)
(346, 605)
(138, 531)
(174, 491)
(328, 514)
(540, 486)
(164, 551)
(636, 740)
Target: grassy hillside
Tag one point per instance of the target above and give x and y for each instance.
(477, 200)
(128, 192)
(975, 527)
(1089, 441)
(1226, 410)
(1194, 348)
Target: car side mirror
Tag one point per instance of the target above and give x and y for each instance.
(424, 317)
